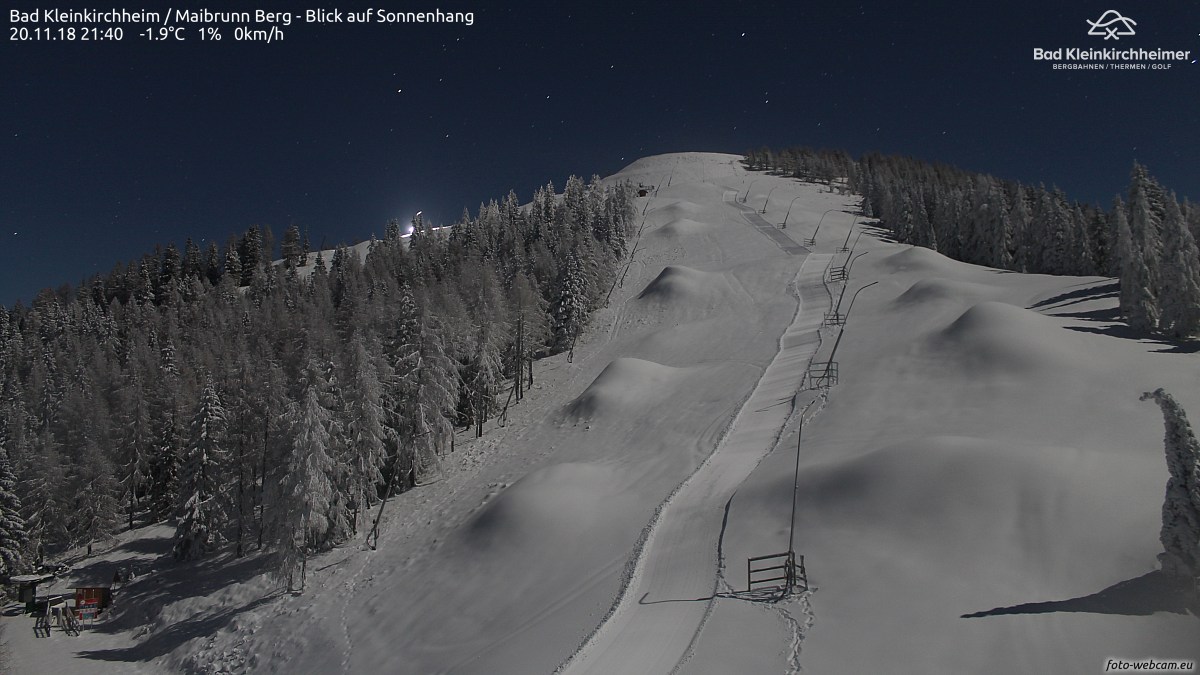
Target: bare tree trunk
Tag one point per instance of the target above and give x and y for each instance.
(479, 413)
(383, 503)
(262, 487)
(520, 347)
(241, 494)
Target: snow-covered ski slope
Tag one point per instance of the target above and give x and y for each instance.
(979, 493)
(674, 582)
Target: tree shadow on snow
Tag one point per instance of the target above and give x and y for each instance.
(134, 556)
(1141, 596)
(1089, 291)
(138, 602)
(167, 640)
(148, 545)
(769, 594)
(1110, 317)
(1120, 330)
(880, 233)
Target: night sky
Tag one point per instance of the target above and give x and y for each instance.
(107, 149)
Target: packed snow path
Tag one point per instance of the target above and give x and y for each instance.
(665, 603)
(770, 231)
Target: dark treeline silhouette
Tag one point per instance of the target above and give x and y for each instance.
(273, 405)
(1148, 240)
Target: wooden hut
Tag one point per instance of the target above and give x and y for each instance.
(27, 588)
(91, 600)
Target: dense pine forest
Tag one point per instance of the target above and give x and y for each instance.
(273, 405)
(1148, 240)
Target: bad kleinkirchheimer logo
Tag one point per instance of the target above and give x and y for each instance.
(1112, 25)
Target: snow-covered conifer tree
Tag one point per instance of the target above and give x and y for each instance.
(1179, 278)
(1020, 217)
(1146, 211)
(922, 229)
(250, 249)
(1083, 260)
(192, 264)
(200, 500)
(1002, 238)
(12, 525)
(1180, 534)
(42, 479)
(92, 480)
(531, 325)
(363, 404)
(1057, 244)
(135, 435)
(486, 372)
(212, 264)
(290, 248)
(1138, 306)
(307, 489)
(570, 306)
(233, 265)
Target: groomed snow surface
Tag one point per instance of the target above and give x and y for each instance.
(980, 492)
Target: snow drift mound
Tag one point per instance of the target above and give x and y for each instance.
(920, 259)
(676, 282)
(681, 227)
(996, 336)
(557, 501)
(624, 384)
(677, 210)
(684, 289)
(940, 290)
(893, 483)
(958, 493)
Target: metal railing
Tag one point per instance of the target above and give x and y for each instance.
(783, 565)
(822, 374)
(834, 318)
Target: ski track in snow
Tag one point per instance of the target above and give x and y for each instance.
(351, 587)
(674, 566)
(619, 314)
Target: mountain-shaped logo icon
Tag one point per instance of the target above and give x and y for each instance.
(1112, 25)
